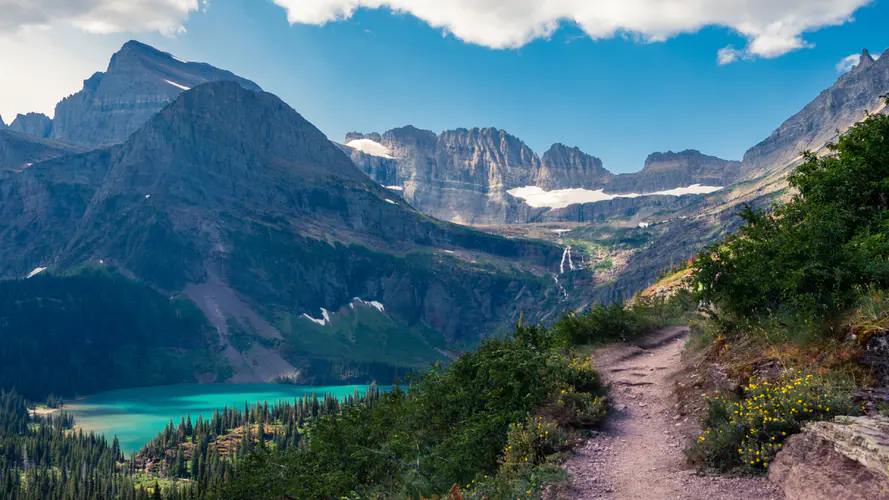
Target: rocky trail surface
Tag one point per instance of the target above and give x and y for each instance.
(639, 453)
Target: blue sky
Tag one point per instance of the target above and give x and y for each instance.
(617, 97)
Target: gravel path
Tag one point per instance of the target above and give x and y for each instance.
(639, 454)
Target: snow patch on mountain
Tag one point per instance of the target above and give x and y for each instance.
(370, 147)
(35, 272)
(372, 303)
(183, 87)
(325, 317)
(537, 197)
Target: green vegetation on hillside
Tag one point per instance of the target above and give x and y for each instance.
(449, 426)
(496, 423)
(813, 256)
(803, 287)
(96, 330)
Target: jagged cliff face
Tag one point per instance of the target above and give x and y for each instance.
(664, 171)
(472, 168)
(460, 175)
(139, 82)
(815, 125)
(36, 124)
(231, 197)
(465, 175)
(563, 167)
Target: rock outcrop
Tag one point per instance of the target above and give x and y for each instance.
(139, 82)
(836, 108)
(36, 124)
(847, 458)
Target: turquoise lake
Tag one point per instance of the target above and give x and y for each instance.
(135, 416)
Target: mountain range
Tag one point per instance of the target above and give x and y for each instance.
(466, 175)
(307, 269)
(313, 261)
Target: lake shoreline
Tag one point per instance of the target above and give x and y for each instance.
(137, 415)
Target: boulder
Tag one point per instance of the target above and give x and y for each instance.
(845, 459)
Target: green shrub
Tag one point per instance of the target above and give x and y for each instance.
(812, 255)
(579, 409)
(657, 311)
(530, 443)
(619, 322)
(583, 377)
(451, 426)
(601, 323)
(747, 433)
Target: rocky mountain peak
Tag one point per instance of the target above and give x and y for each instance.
(490, 157)
(835, 108)
(569, 167)
(134, 53)
(865, 60)
(2, 125)
(36, 124)
(497, 144)
(139, 82)
(559, 151)
(261, 132)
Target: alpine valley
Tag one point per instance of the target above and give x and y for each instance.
(175, 223)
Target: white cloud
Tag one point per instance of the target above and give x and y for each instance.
(850, 62)
(46, 46)
(97, 16)
(772, 27)
(728, 55)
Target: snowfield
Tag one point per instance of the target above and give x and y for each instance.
(560, 198)
(370, 147)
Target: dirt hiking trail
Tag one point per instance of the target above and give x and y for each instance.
(638, 456)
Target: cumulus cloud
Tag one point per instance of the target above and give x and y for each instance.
(98, 16)
(772, 27)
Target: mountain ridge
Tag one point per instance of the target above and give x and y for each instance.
(139, 81)
(463, 175)
(230, 196)
(816, 124)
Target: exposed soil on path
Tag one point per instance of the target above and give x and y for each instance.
(639, 453)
